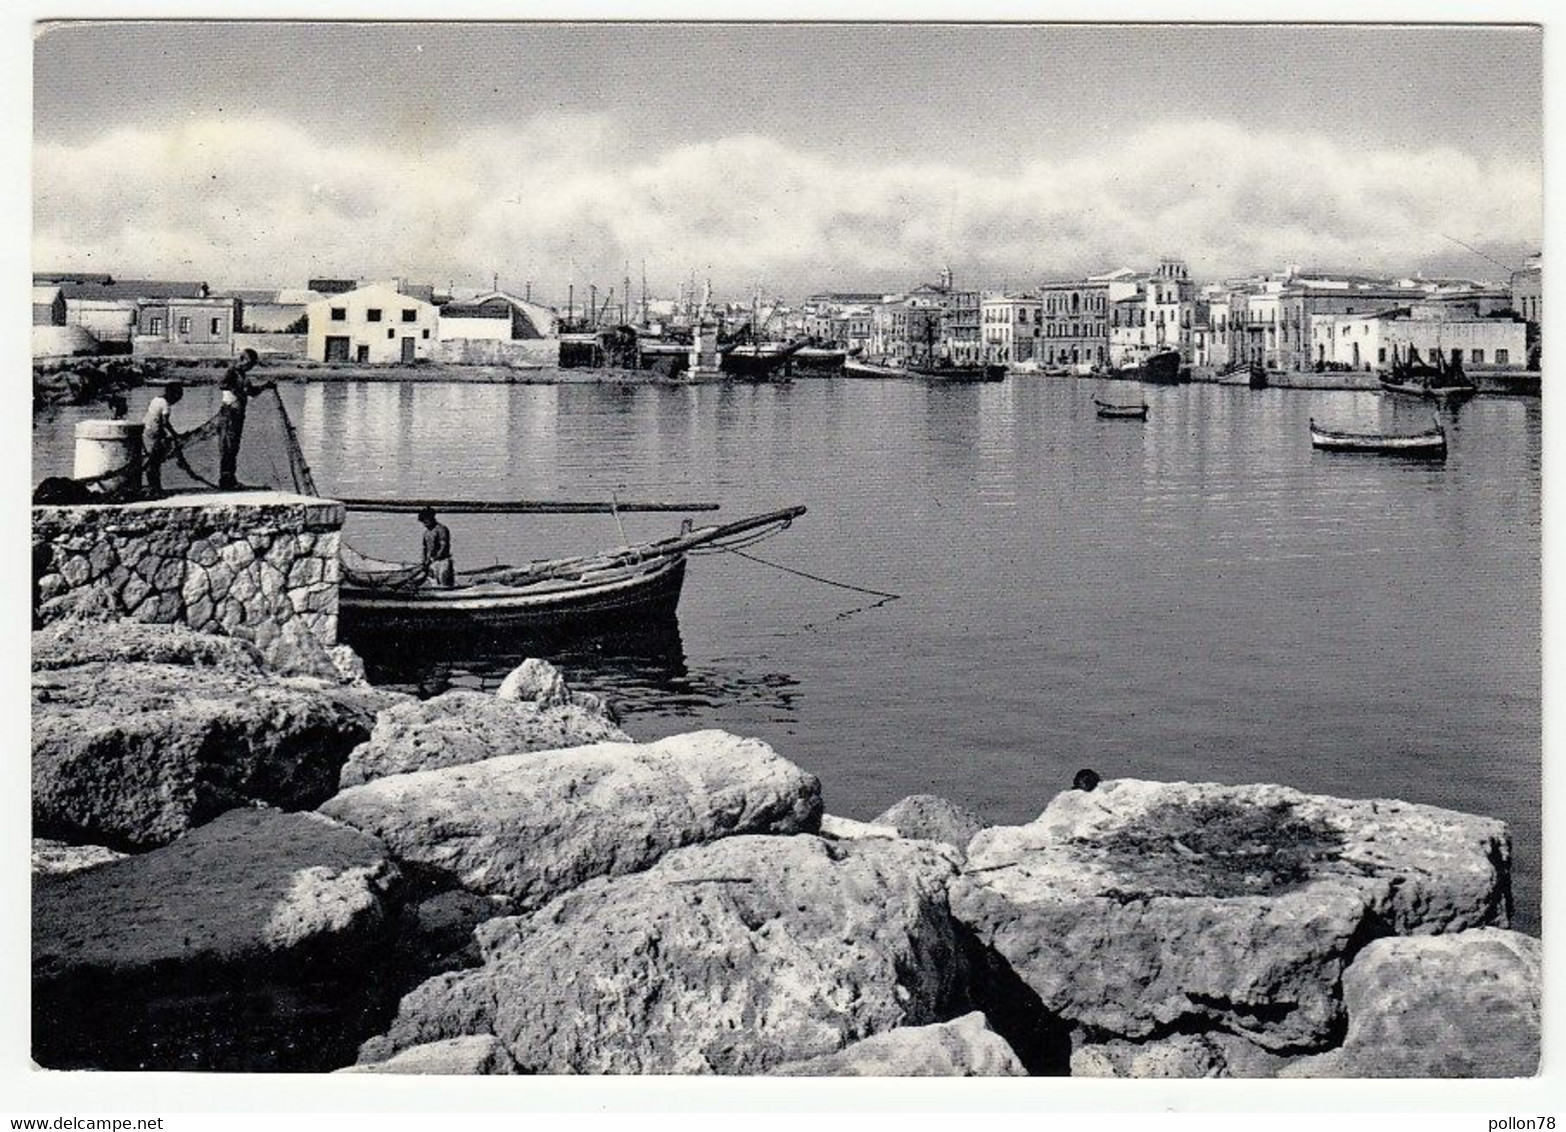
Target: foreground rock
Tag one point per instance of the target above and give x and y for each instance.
(1141, 908)
(251, 943)
(1462, 1005)
(56, 858)
(479, 1055)
(132, 754)
(77, 641)
(529, 827)
(540, 683)
(965, 1047)
(1182, 1055)
(932, 818)
(735, 957)
(461, 726)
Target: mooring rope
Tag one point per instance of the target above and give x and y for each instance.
(812, 577)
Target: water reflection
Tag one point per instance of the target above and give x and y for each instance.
(641, 672)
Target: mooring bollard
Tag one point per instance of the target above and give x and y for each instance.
(104, 447)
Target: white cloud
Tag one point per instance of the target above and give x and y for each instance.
(571, 198)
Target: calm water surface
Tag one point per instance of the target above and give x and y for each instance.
(1200, 597)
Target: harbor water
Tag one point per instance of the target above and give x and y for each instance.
(1200, 597)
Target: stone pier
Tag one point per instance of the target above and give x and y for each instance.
(254, 565)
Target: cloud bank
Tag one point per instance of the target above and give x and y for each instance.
(259, 201)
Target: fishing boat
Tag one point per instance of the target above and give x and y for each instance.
(1162, 368)
(1431, 444)
(957, 371)
(1108, 409)
(919, 371)
(1444, 382)
(758, 362)
(624, 588)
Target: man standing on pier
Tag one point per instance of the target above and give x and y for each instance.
(437, 550)
(237, 390)
(158, 435)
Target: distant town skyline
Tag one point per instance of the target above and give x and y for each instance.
(803, 157)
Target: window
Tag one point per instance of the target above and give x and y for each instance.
(410, 315)
(184, 326)
(361, 353)
(1381, 354)
(217, 326)
(426, 334)
(1476, 356)
(156, 326)
(373, 314)
(1503, 357)
(339, 314)
(391, 333)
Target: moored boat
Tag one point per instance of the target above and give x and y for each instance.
(957, 374)
(1430, 444)
(1162, 368)
(1109, 409)
(761, 362)
(1444, 382)
(625, 588)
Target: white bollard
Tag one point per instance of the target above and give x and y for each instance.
(107, 446)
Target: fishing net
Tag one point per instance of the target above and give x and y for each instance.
(372, 573)
(269, 458)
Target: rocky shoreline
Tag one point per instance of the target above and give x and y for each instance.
(238, 868)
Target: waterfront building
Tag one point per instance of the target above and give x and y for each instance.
(376, 323)
(1076, 323)
(48, 305)
(1128, 342)
(497, 316)
(107, 308)
(1370, 341)
(1012, 326)
(1171, 307)
(186, 327)
(1526, 290)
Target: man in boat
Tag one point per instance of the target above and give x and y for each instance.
(237, 391)
(437, 550)
(158, 435)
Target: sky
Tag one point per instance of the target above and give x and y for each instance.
(795, 157)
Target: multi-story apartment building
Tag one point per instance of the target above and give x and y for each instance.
(1013, 327)
(1076, 323)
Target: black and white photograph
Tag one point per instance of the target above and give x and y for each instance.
(777, 548)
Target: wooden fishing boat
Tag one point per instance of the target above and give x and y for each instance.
(1431, 444)
(1108, 409)
(762, 362)
(625, 588)
(934, 372)
(1444, 382)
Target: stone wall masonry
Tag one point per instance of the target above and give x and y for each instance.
(255, 565)
(526, 352)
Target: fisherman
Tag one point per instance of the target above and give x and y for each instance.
(437, 550)
(237, 391)
(158, 435)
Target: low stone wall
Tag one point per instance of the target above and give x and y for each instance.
(242, 564)
(491, 352)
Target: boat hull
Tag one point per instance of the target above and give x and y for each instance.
(1159, 369)
(1446, 395)
(1120, 412)
(957, 375)
(624, 600)
(1425, 445)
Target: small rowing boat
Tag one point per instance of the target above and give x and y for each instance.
(622, 589)
(1108, 409)
(1423, 444)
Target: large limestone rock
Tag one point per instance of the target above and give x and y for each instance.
(539, 682)
(74, 641)
(1461, 1005)
(1212, 1054)
(252, 942)
(467, 727)
(56, 858)
(1142, 908)
(735, 957)
(132, 754)
(964, 1047)
(529, 827)
(480, 1054)
(932, 818)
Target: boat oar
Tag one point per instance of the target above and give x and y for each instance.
(518, 506)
